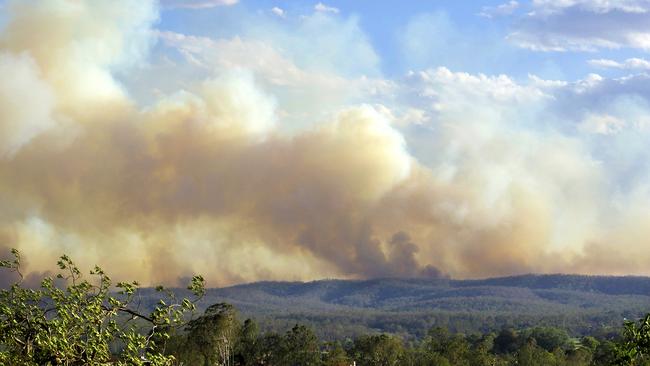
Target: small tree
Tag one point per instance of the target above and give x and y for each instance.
(72, 321)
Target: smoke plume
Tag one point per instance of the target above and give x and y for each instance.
(205, 180)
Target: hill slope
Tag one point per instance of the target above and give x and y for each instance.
(340, 308)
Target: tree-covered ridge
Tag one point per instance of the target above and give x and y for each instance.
(409, 307)
(340, 291)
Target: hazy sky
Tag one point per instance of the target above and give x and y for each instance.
(252, 140)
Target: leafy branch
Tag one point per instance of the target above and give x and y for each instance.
(73, 321)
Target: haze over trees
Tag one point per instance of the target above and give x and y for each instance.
(72, 320)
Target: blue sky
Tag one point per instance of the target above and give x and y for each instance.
(306, 139)
(469, 36)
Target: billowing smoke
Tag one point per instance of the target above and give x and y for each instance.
(205, 180)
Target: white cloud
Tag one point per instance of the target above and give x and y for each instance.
(197, 4)
(460, 87)
(584, 25)
(597, 6)
(499, 10)
(601, 124)
(298, 88)
(605, 63)
(278, 11)
(628, 64)
(322, 8)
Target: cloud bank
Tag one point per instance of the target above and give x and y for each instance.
(197, 4)
(584, 25)
(629, 64)
(499, 10)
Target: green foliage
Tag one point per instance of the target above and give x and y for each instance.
(378, 350)
(271, 350)
(302, 347)
(335, 355)
(549, 338)
(247, 345)
(539, 346)
(635, 346)
(73, 321)
(218, 338)
(532, 355)
(507, 341)
(213, 336)
(605, 354)
(453, 347)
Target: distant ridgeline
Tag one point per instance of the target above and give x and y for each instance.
(409, 307)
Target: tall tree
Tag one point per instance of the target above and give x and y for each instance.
(335, 355)
(246, 347)
(302, 347)
(378, 350)
(215, 334)
(507, 341)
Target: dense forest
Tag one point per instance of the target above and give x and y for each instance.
(218, 337)
(409, 308)
(72, 319)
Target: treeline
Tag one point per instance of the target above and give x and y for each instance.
(415, 325)
(218, 337)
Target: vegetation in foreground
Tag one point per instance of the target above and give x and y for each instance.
(71, 320)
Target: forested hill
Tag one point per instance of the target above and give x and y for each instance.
(628, 285)
(336, 308)
(583, 291)
(527, 294)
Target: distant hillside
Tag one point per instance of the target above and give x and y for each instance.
(582, 304)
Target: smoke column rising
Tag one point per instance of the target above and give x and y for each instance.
(204, 181)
